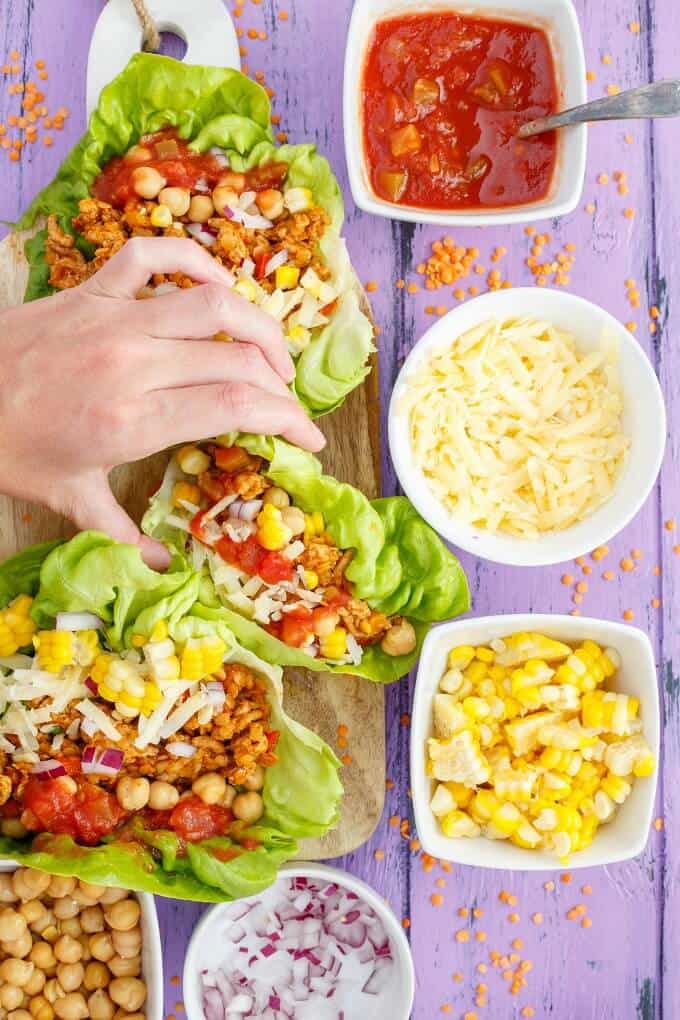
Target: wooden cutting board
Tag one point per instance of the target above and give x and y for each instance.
(321, 701)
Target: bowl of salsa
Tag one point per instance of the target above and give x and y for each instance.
(434, 97)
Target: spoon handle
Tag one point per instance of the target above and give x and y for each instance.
(660, 99)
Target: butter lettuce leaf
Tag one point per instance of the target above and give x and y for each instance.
(213, 106)
(20, 574)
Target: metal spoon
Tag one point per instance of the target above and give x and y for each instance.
(660, 99)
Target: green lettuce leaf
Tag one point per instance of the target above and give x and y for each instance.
(400, 565)
(213, 106)
(20, 575)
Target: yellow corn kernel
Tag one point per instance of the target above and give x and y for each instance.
(130, 700)
(310, 579)
(519, 648)
(497, 673)
(475, 672)
(159, 631)
(514, 785)
(297, 199)
(151, 699)
(461, 657)
(17, 628)
(107, 692)
(645, 766)
(588, 829)
(138, 640)
(505, 820)
(314, 524)
(100, 668)
(526, 836)
(607, 711)
(287, 277)
(461, 794)
(201, 657)
(483, 805)
(485, 654)
(163, 663)
(161, 216)
(86, 647)
(247, 288)
(334, 646)
(554, 786)
(553, 758)
(476, 708)
(615, 787)
(185, 492)
(458, 824)
(55, 649)
(272, 533)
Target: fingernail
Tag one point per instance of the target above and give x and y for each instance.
(319, 436)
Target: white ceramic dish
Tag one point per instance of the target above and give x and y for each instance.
(152, 956)
(205, 950)
(559, 19)
(622, 838)
(644, 421)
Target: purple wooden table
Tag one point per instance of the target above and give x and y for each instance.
(622, 965)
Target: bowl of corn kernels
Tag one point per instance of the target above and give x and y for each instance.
(534, 742)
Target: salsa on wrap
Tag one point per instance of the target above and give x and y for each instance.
(309, 571)
(184, 151)
(140, 745)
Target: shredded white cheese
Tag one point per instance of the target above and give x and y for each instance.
(517, 430)
(99, 718)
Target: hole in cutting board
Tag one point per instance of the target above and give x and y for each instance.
(173, 45)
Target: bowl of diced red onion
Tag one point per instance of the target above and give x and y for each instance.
(317, 945)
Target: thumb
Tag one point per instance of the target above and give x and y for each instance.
(93, 505)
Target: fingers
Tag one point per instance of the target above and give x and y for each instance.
(176, 363)
(178, 416)
(93, 506)
(140, 257)
(199, 312)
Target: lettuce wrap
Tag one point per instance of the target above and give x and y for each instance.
(399, 567)
(93, 574)
(216, 107)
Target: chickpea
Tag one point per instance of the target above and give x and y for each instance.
(210, 787)
(82, 899)
(162, 796)
(71, 926)
(133, 794)
(294, 519)
(228, 798)
(30, 884)
(11, 996)
(231, 179)
(53, 991)
(40, 1008)
(137, 154)
(91, 920)
(32, 911)
(101, 946)
(400, 639)
(60, 885)
(223, 197)
(7, 894)
(100, 1005)
(112, 895)
(71, 1007)
(35, 983)
(128, 992)
(248, 807)
(12, 925)
(270, 203)
(276, 497)
(18, 947)
(128, 944)
(70, 976)
(66, 907)
(123, 916)
(201, 208)
(48, 920)
(19, 1014)
(147, 182)
(42, 955)
(96, 976)
(85, 943)
(131, 967)
(176, 199)
(122, 1014)
(92, 889)
(16, 972)
(256, 780)
(13, 828)
(67, 949)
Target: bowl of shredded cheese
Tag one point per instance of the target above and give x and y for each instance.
(527, 426)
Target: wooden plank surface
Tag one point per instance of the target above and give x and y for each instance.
(623, 967)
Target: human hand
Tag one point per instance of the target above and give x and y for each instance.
(93, 378)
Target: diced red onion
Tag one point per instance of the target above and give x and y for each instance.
(78, 621)
(50, 768)
(216, 694)
(252, 221)
(180, 749)
(106, 762)
(248, 266)
(219, 155)
(276, 261)
(201, 185)
(91, 685)
(200, 234)
(250, 509)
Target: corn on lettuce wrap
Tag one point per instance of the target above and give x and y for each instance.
(140, 744)
(308, 571)
(188, 151)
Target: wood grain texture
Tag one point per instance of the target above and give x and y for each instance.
(623, 968)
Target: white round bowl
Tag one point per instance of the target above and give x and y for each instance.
(204, 947)
(644, 421)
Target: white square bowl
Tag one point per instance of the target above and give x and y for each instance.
(619, 840)
(558, 18)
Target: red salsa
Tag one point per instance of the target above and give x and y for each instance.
(443, 96)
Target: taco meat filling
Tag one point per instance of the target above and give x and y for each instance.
(272, 562)
(93, 743)
(267, 234)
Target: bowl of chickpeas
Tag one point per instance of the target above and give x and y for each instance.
(72, 950)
